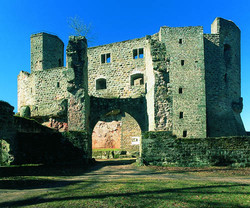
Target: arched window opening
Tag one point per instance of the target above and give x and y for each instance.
(227, 54)
(101, 84)
(136, 80)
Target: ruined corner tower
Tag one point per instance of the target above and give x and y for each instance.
(223, 79)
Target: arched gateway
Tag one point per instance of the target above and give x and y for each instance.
(136, 107)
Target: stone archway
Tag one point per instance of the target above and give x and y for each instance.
(136, 107)
(117, 123)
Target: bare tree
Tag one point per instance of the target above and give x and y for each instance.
(80, 28)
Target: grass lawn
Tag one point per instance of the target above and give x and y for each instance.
(68, 187)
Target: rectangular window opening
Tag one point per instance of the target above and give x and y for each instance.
(135, 55)
(182, 62)
(58, 84)
(184, 133)
(180, 41)
(103, 58)
(181, 115)
(108, 58)
(180, 90)
(141, 53)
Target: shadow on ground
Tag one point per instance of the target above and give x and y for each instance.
(60, 170)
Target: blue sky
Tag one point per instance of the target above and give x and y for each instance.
(112, 21)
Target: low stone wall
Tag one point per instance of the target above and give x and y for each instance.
(161, 148)
(26, 125)
(52, 148)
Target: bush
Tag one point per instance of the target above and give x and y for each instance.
(5, 157)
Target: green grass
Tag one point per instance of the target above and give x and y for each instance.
(65, 188)
(106, 149)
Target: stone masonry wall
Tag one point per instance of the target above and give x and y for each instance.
(44, 91)
(50, 93)
(185, 54)
(118, 72)
(25, 90)
(162, 89)
(131, 134)
(162, 148)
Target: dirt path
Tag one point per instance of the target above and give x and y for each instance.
(117, 169)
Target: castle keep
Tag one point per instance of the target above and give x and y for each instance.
(179, 80)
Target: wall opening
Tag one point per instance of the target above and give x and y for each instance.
(138, 53)
(181, 115)
(227, 54)
(59, 62)
(180, 90)
(182, 62)
(184, 134)
(141, 53)
(136, 79)
(58, 84)
(105, 58)
(101, 84)
(117, 131)
(180, 41)
(225, 77)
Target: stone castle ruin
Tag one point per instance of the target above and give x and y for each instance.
(179, 80)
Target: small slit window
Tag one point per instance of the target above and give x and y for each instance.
(182, 62)
(180, 41)
(59, 62)
(58, 84)
(227, 54)
(180, 90)
(225, 77)
(184, 134)
(138, 53)
(101, 84)
(181, 115)
(105, 58)
(136, 80)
